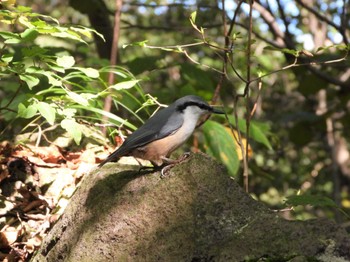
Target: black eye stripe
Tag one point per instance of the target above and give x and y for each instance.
(190, 103)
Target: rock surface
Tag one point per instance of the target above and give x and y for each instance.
(196, 213)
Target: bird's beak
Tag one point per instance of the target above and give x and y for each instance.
(217, 111)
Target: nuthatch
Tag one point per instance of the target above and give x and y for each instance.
(164, 132)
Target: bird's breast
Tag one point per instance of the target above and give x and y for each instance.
(163, 147)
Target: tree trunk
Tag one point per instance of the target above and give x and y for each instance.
(196, 213)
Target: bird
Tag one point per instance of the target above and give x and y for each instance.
(164, 132)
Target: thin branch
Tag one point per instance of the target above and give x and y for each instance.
(323, 18)
(11, 100)
(256, 100)
(277, 44)
(114, 53)
(283, 16)
(234, 17)
(287, 36)
(232, 24)
(270, 20)
(224, 65)
(236, 72)
(310, 64)
(344, 15)
(245, 152)
(184, 46)
(165, 28)
(156, 5)
(197, 63)
(179, 48)
(246, 89)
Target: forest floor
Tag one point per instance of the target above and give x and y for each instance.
(36, 184)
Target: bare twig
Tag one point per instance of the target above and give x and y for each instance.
(114, 53)
(256, 100)
(6, 107)
(196, 62)
(323, 18)
(310, 64)
(270, 20)
(224, 66)
(247, 98)
(344, 15)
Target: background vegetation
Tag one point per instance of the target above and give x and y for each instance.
(280, 69)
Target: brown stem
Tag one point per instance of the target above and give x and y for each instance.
(11, 100)
(247, 96)
(114, 54)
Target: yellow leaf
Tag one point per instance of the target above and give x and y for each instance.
(345, 203)
(234, 135)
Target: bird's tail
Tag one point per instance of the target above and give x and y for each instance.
(114, 157)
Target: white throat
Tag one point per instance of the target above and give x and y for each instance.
(191, 116)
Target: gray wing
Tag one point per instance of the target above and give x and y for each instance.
(165, 122)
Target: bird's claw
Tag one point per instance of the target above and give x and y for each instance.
(165, 170)
(184, 156)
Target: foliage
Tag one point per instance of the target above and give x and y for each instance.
(314, 201)
(50, 87)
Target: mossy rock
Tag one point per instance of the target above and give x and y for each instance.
(196, 213)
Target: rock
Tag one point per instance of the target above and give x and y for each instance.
(196, 213)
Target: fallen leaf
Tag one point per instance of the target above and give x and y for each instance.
(8, 237)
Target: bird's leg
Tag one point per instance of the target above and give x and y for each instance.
(154, 167)
(175, 161)
(142, 168)
(150, 168)
(170, 163)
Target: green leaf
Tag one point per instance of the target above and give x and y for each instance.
(29, 34)
(221, 145)
(55, 67)
(313, 200)
(34, 70)
(23, 9)
(12, 41)
(65, 61)
(67, 112)
(25, 21)
(7, 58)
(46, 17)
(84, 31)
(193, 16)
(73, 129)
(283, 50)
(53, 78)
(26, 112)
(47, 30)
(257, 134)
(77, 98)
(141, 43)
(113, 118)
(66, 33)
(125, 85)
(9, 35)
(90, 72)
(87, 32)
(33, 51)
(257, 131)
(30, 80)
(47, 111)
